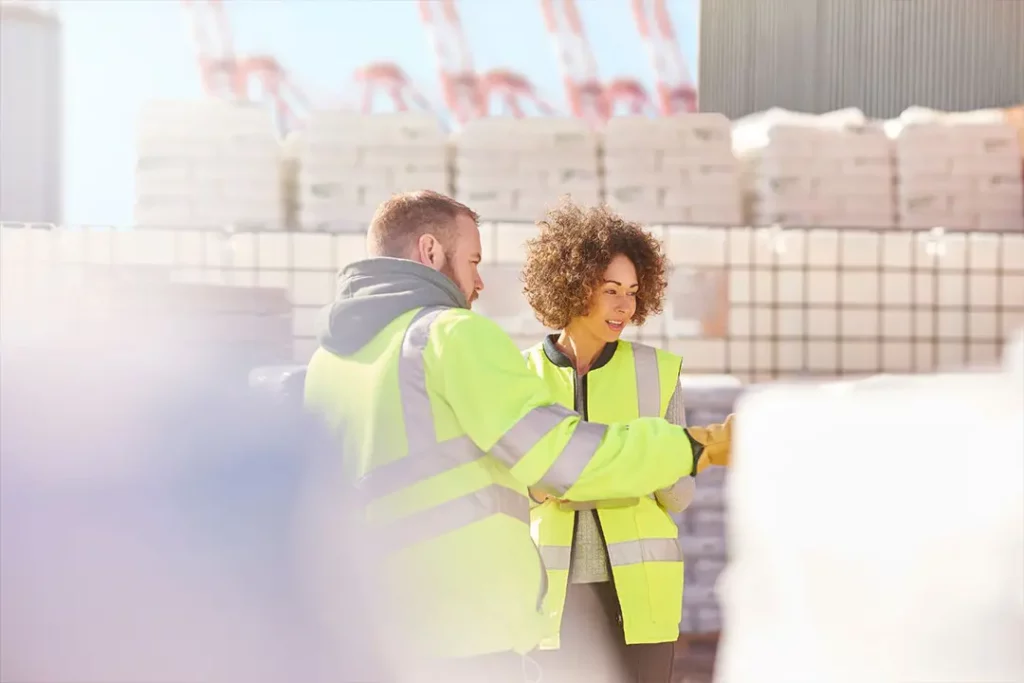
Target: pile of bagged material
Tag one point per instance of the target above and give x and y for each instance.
(709, 399)
(510, 169)
(833, 170)
(208, 164)
(348, 163)
(960, 171)
(674, 169)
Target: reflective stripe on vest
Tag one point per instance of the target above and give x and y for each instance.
(620, 554)
(648, 382)
(433, 457)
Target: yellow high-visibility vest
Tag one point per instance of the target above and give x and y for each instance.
(628, 381)
(443, 429)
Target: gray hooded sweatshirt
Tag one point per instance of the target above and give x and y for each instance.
(372, 293)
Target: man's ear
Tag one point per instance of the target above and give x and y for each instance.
(430, 252)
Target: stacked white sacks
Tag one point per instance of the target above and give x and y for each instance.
(677, 169)
(208, 164)
(709, 399)
(516, 169)
(349, 163)
(1013, 357)
(833, 170)
(959, 171)
(841, 526)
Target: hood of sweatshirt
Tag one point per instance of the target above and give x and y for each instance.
(372, 293)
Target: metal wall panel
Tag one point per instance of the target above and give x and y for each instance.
(879, 55)
(31, 115)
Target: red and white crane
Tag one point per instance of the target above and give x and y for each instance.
(677, 92)
(509, 91)
(212, 39)
(460, 85)
(583, 90)
(468, 94)
(631, 95)
(588, 97)
(289, 102)
(391, 80)
(228, 75)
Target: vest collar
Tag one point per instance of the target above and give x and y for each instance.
(555, 355)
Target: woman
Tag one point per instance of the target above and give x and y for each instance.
(615, 568)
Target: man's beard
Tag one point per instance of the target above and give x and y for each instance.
(449, 273)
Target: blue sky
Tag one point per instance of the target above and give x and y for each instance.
(120, 53)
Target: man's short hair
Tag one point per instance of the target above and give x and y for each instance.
(400, 221)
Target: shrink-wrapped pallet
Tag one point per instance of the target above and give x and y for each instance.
(960, 171)
(675, 169)
(516, 169)
(833, 170)
(208, 164)
(709, 399)
(349, 163)
(290, 171)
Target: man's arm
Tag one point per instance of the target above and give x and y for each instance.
(509, 412)
(677, 497)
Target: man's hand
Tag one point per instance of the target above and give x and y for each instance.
(539, 496)
(716, 441)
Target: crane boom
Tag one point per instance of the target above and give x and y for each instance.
(460, 85)
(677, 92)
(289, 102)
(228, 75)
(391, 79)
(584, 92)
(467, 94)
(510, 91)
(211, 36)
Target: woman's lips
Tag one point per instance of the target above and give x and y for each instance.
(616, 326)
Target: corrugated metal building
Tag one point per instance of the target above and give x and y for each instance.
(31, 114)
(879, 55)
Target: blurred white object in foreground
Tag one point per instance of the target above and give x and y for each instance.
(877, 532)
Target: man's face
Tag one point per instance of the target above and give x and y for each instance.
(462, 259)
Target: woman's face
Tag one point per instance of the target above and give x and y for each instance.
(614, 300)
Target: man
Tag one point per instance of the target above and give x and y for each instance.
(445, 428)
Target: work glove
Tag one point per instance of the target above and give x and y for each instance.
(712, 444)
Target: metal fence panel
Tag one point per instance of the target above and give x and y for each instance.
(881, 56)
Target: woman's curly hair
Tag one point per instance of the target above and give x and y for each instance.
(566, 262)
